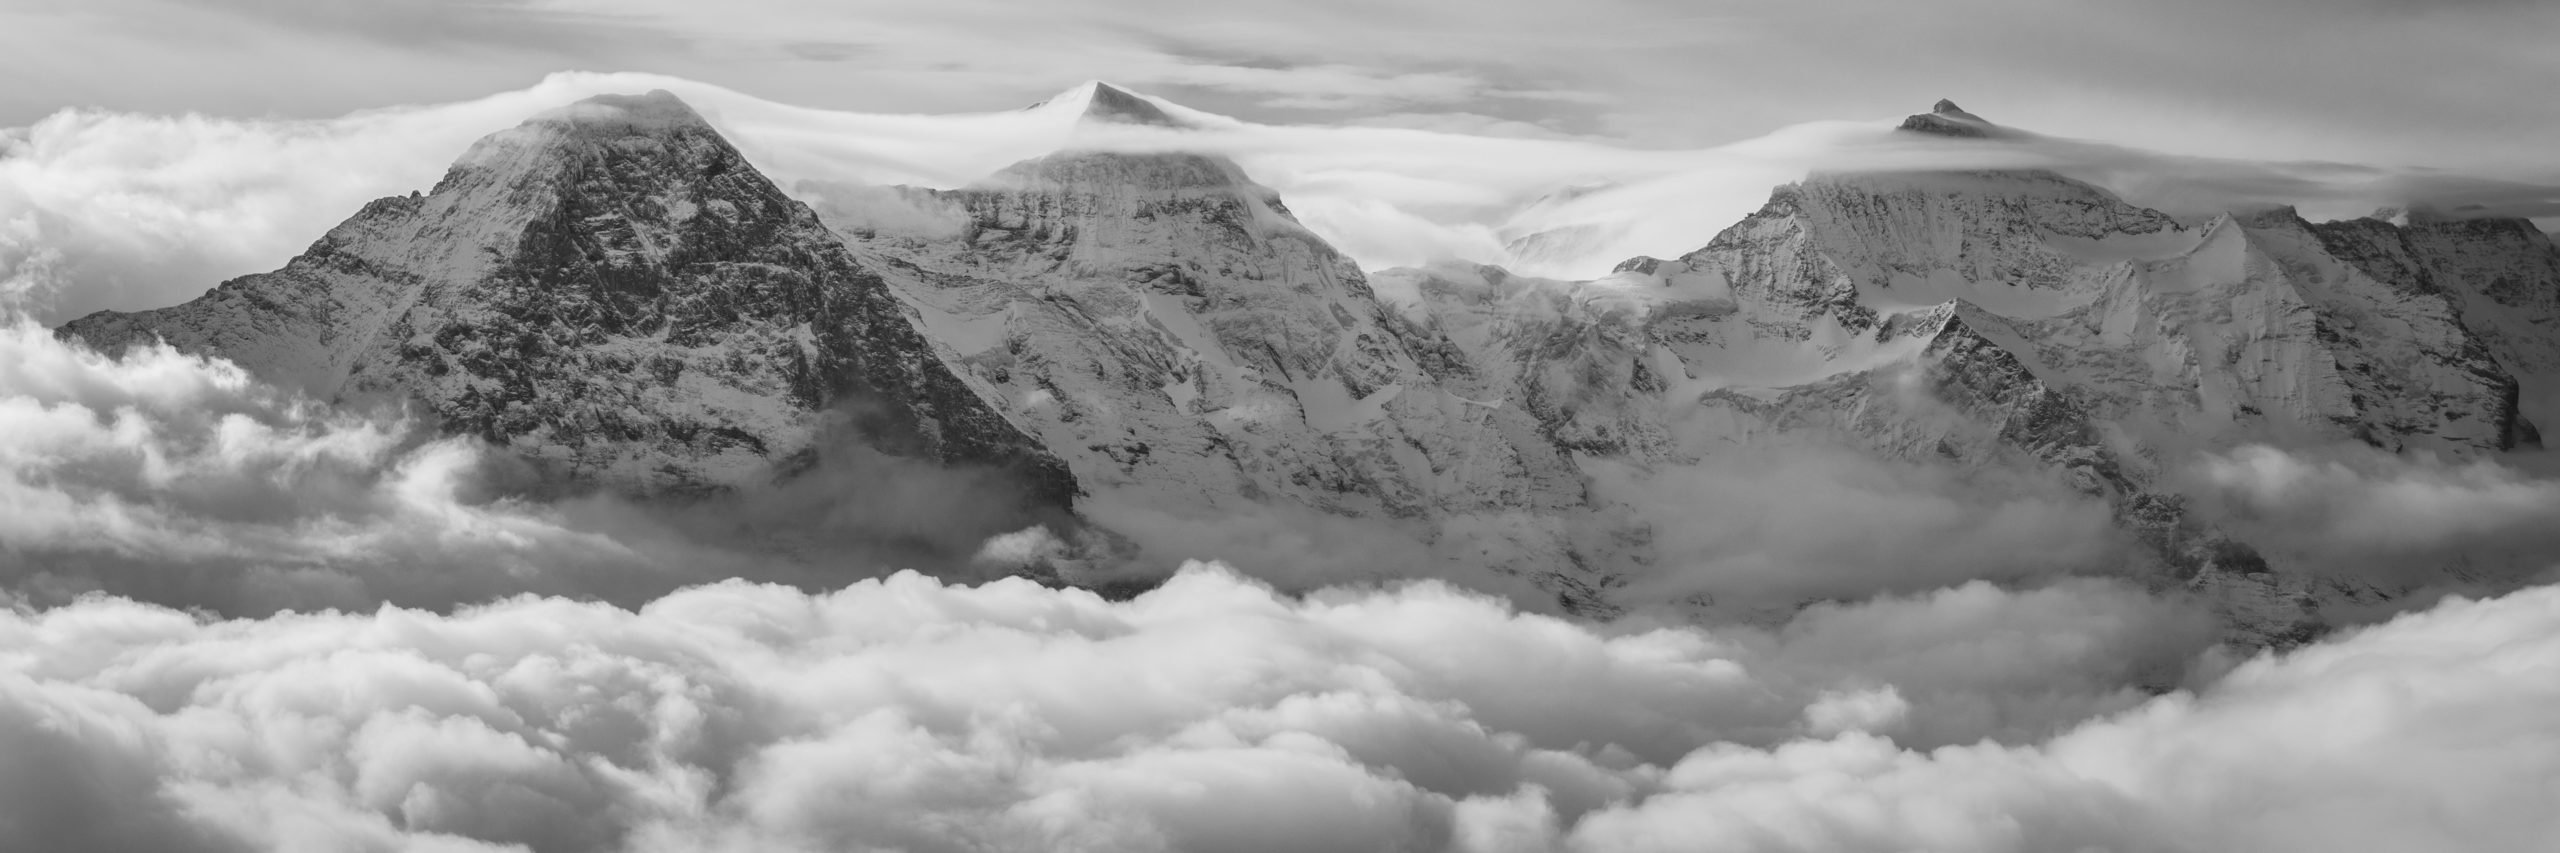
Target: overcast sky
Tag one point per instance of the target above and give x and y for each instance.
(2459, 83)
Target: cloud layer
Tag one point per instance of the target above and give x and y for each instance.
(603, 694)
(2401, 521)
(184, 481)
(1783, 522)
(2162, 74)
(1212, 714)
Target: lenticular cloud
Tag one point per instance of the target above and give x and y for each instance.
(1209, 714)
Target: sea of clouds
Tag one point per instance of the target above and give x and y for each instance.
(236, 619)
(1215, 714)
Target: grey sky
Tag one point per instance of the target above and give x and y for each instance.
(2390, 81)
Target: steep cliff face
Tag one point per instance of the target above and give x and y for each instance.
(2502, 277)
(612, 291)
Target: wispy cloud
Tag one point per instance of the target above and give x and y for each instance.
(128, 211)
(2397, 520)
(468, 24)
(1778, 523)
(2157, 74)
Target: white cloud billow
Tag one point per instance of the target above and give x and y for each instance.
(1214, 713)
(1210, 714)
(556, 696)
(184, 481)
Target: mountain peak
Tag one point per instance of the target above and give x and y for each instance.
(1110, 103)
(548, 139)
(1097, 102)
(654, 110)
(1946, 119)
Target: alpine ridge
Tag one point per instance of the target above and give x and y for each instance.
(1154, 338)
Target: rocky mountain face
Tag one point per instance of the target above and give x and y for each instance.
(1166, 326)
(613, 292)
(2498, 275)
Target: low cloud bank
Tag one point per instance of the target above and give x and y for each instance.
(2399, 520)
(185, 481)
(1779, 523)
(1214, 714)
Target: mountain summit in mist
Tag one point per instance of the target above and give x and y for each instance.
(612, 291)
(1947, 119)
(1102, 102)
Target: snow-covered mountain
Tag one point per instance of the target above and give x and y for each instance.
(1154, 336)
(1166, 326)
(612, 291)
(1997, 317)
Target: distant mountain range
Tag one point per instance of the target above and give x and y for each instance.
(612, 292)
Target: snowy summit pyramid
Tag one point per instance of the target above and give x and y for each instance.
(1097, 102)
(1947, 119)
(611, 290)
